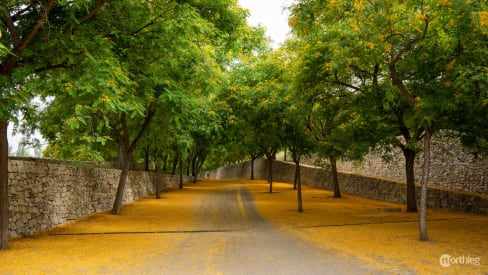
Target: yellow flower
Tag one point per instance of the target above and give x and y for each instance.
(483, 18)
(445, 3)
(359, 5)
(328, 66)
(370, 44)
(332, 4)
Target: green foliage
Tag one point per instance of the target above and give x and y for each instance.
(409, 51)
(144, 54)
(255, 103)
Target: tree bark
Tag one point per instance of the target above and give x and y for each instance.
(4, 214)
(158, 181)
(297, 170)
(165, 162)
(270, 174)
(175, 163)
(335, 177)
(410, 175)
(425, 179)
(146, 158)
(298, 183)
(188, 165)
(120, 155)
(119, 196)
(252, 168)
(180, 166)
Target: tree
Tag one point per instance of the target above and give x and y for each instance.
(330, 112)
(204, 131)
(298, 141)
(407, 45)
(257, 97)
(24, 24)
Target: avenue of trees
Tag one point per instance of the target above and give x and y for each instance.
(188, 85)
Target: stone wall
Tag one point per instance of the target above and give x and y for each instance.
(46, 193)
(356, 184)
(452, 167)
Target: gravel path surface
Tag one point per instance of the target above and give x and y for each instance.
(231, 238)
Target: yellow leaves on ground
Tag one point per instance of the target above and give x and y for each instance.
(102, 243)
(362, 228)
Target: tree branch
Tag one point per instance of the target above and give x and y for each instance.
(37, 26)
(125, 132)
(412, 42)
(7, 20)
(347, 85)
(51, 67)
(399, 83)
(87, 17)
(150, 114)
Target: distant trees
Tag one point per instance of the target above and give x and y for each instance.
(257, 98)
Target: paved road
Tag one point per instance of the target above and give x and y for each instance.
(231, 238)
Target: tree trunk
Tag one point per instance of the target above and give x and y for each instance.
(252, 168)
(180, 164)
(188, 166)
(270, 174)
(193, 168)
(4, 215)
(158, 181)
(120, 156)
(119, 196)
(410, 175)
(129, 148)
(335, 177)
(146, 158)
(298, 183)
(425, 180)
(201, 156)
(295, 180)
(175, 163)
(165, 162)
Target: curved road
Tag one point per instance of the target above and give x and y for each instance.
(233, 239)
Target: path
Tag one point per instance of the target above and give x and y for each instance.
(231, 238)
